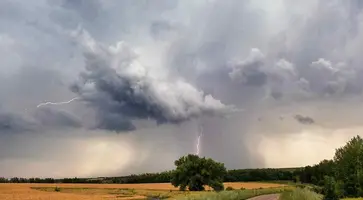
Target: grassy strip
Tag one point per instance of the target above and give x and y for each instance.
(300, 194)
(233, 194)
(360, 198)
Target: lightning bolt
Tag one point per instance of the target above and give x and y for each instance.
(57, 103)
(200, 133)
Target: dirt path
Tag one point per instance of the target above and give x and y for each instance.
(266, 197)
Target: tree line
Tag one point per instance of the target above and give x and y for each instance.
(236, 175)
(49, 180)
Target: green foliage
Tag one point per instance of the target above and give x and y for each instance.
(267, 174)
(317, 189)
(195, 172)
(315, 174)
(349, 163)
(330, 190)
(229, 188)
(300, 194)
(3, 180)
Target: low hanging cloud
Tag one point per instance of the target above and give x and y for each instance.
(304, 120)
(12, 123)
(122, 89)
(39, 120)
(56, 118)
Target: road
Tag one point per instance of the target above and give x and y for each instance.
(266, 197)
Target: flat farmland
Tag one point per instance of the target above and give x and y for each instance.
(104, 191)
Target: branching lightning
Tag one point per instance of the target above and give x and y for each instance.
(57, 103)
(200, 133)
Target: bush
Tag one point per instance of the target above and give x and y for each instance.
(242, 188)
(57, 189)
(217, 186)
(299, 185)
(330, 190)
(229, 188)
(317, 189)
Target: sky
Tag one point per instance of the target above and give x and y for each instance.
(270, 83)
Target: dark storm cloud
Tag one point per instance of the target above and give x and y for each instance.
(12, 123)
(304, 120)
(116, 83)
(38, 121)
(113, 122)
(55, 118)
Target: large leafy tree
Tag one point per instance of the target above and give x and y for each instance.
(349, 166)
(194, 173)
(330, 190)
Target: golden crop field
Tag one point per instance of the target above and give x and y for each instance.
(101, 191)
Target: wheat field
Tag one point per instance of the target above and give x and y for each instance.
(101, 191)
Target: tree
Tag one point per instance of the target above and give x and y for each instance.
(195, 172)
(349, 162)
(330, 190)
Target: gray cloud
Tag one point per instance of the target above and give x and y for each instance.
(321, 77)
(115, 82)
(40, 120)
(12, 123)
(304, 120)
(55, 118)
(113, 122)
(162, 29)
(249, 70)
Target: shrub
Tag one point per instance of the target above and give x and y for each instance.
(229, 188)
(330, 190)
(57, 189)
(317, 189)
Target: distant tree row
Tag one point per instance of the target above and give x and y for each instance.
(237, 175)
(49, 180)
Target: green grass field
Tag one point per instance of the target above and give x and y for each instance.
(300, 194)
(232, 195)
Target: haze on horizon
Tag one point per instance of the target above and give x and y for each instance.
(147, 74)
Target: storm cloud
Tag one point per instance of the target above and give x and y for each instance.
(155, 72)
(11, 123)
(40, 120)
(304, 120)
(117, 83)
